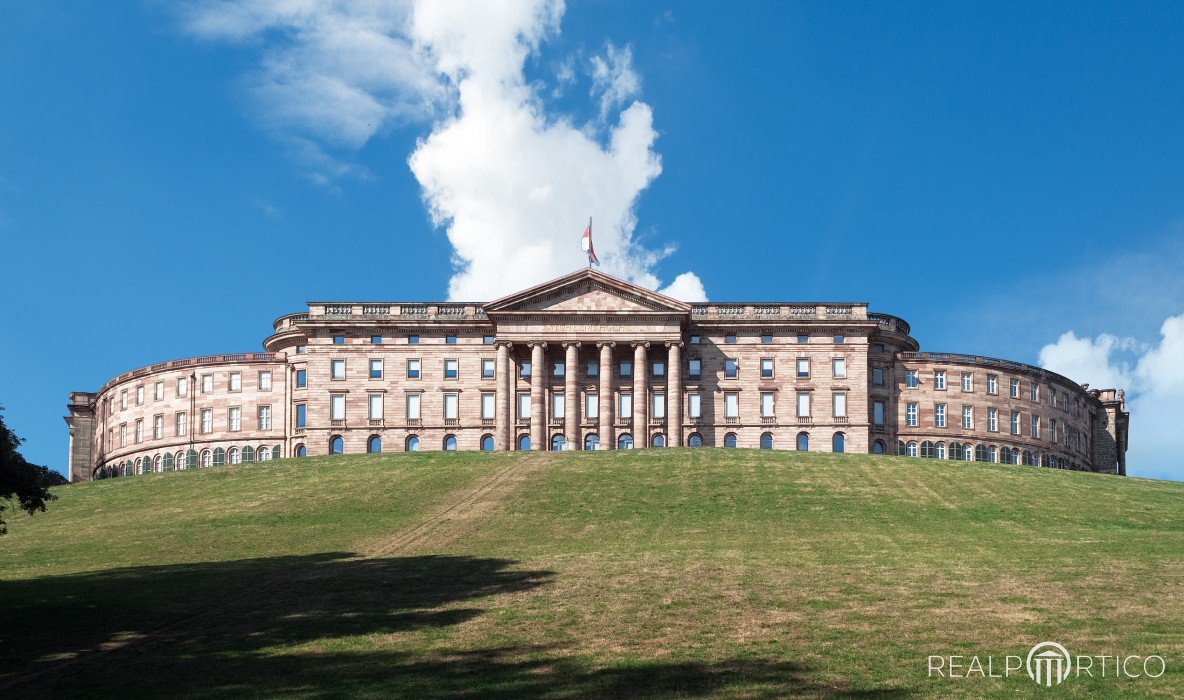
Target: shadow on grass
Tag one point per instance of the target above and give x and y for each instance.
(274, 626)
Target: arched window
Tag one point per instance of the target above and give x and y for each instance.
(658, 440)
(980, 453)
(1027, 460)
(524, 443)
(911, 449)
(179, 461)
(803, 443)
(157, 464)
(374, 445)
(766, 441)
(336, 445)
(487, 443)
(939, 450)
(730, 440)
(901, 447)
(927, 449)
(695, 440)
(1005, 455)
(625, 442)
(139, 465)
(207, 458)
(412, 444)
(219, 456)
(878, 447)
(591, 441)
(558, 442)
(249, 454)
(1044, 460)
(301, 450)
(234, 456)
(122, 469)
(992, 454)
(263, 454)
(838, 442)
(450, 443)
(955, 450)
(277, 452)
(967, 452)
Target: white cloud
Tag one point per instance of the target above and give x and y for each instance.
(512, 183)
(1154, 380)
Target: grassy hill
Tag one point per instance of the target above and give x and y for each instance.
(672, 573)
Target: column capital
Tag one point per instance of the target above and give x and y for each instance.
(504, 344)
(643, 343)
(570, 343)
(674, 343)
(604, 343)
(536, 343)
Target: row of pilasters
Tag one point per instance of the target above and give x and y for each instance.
(506, 383)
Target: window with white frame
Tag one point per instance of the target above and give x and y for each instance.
(910, 378)
(181, 424)
(767, 405)
(159, 394)
(123, 400)
(592, 405)
(658, 406)
(939, 415)
(451, 368)
(967, 381)
(182, 387)
(488, 368)
(1052, 430)
(803, 367)
(731, 405)
(839, 367)
(1035, 426)
(910, 415)
(413, 368)
(524, 405)
(803, 404)
(968, 417)
(140, 395)
(1015, 422)
(1015, 388)
(376, 368)
(839, 404)
(1034, 392)
(939, 379)
(236, 381)
(766, 368)
(123, 435)
(139, 430)
(337, 407)
(207, 383)
(993, 419)
(730, 368)
(157, 427)
(694, 405)
(992, 384)
(558, 405)
(265, 381)
(625, 406)
(488, 405)
(413, 401)
(264, 417)
(207, 420)
(234, 418)
(451, 406)
(337, 369)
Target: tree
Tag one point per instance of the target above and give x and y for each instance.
(27, 484)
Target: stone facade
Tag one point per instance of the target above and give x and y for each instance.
(586, 361)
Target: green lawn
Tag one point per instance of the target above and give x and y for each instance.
(670, 573)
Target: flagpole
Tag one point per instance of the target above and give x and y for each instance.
(589, 241)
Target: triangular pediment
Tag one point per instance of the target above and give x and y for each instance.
(587, 291)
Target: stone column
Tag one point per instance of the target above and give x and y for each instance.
(641, 394)
(504, 435)
(538, 397)
(674, 394)
(571, 395)
(607, 441)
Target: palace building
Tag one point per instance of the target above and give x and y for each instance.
(590, 362)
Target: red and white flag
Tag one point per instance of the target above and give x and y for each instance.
(586, 244)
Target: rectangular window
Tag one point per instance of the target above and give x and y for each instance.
(413, 369)
(626, 369)
(1052, 396)
(1015, 388)
(265, 417)
(803, 367)
(910, 415)
(730, 369)
(558, 369)
(181, 424)
(301, 349)
(236, 381)
(767, 405)
(140, 395)
(337, 407)
(591, 405)
(910, 379)
(694, 405)
(731, 405)
(939, 380)
(803, 404)
(451, 406)
(265, 381)
(766, 368)
(1035, 426)
(967, 381)
(450, 340)
(487, 340)
(207, 421)
(1034, 392)
(413, 406)
(375, 368)
(235, 418)
(1015, 422)
(413, 340)
(123, 400)
(625, 406)
(839, 404)
(730, 339)
(1052, 430)
(524, 370)
(592, 369)
(337, 369)
(301, 378)
(839, 340)
(301, 415)
(939, 415)
(488, 368)
(558, 405)
(658, 406)
(451, 369)
(157, 427)
(695, 368)
(658, 370)
(488, 405)
(339, 340)
(159, 395)
(839, 368)
(207, 383)
(878, 413)
(877, 347)
(123, 435)
(139, 430)
(803, 339)
(967, 418)
(376, 340)
(877, 376)
(992, 384)
(523, 405)
(993, 419)
(766, 340)
(696, 339)
(182, 387)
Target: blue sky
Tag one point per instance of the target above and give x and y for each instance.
(998, 174)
